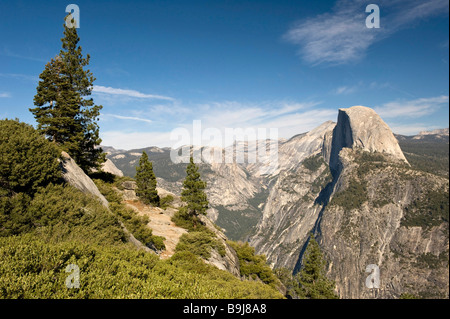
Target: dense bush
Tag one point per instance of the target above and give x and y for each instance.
(28, 160)
(431, 209)
(352, 197)
(57, 213)
(314, 162)
(200, 243)
(136, 224)
(166, 201)
(252, 265)
(32, 268)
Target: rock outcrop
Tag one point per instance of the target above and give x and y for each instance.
(76, 177)
(228, 262)
(361, 127)
(109, 167)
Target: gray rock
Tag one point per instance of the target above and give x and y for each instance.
(361, 127)
(76, 177)
(109, 167)
(229, 262)
(129, 185)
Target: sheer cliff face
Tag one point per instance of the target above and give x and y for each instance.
(360, 213)
(361, 127)
(368, 222)
(291, 210)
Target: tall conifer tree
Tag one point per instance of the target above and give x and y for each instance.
(313, 283)
(146, 181)
(193, 192)
(63, 111)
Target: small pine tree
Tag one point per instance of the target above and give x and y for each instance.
(193, 192)
(146, 181)
(313, 283)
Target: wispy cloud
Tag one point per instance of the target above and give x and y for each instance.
(343, 90)
(133, 140)
(341, 36)
(18, 76)
(288, 117)
(411, 128)
(412, 108)
(131, 118)
(5, 94)
(128, 93)
(9, 53)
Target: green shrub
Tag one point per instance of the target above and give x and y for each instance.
(136, 224)
(313, 163)
(183, 219)
(28, 160)
(352, 197)
(200, 243)
(431, 209)
(166, 201)
(32, 268)
(252, 265)
(58, 213)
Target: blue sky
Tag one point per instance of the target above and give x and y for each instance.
(236, 64)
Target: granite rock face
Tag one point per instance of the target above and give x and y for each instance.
(76, 177)
(353, 191)
(361, 127)
(109, 167)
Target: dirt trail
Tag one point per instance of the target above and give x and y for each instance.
(160, 224)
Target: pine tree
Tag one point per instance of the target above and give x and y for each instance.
(146, 181)
(58, 103)
(63, 112)
(313, 283)
(193, 192)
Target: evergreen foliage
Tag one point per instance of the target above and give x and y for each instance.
(313, 283)
(431, 209)
(134, 223)
(193, 192)
(252, 265)
(27, 160)
(146, 181)
(353, 196)
(200, 243)
(63, 111)
(314, 162)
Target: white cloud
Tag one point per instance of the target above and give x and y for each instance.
(133, 140)
(344, 90)
(133, 118)
(5, 94)
(18, 76)
(128, 93)
(231, 114)
(412, 108)
(411, 128)
(290, 118)
(341, 36)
